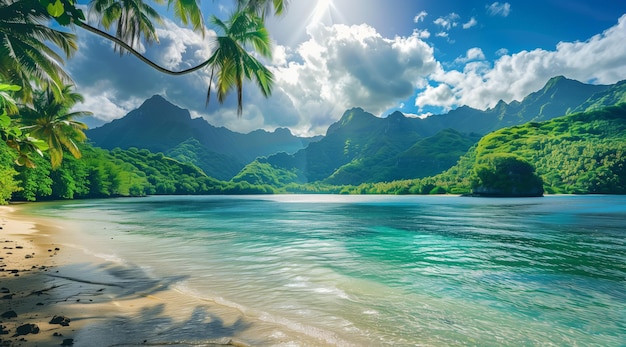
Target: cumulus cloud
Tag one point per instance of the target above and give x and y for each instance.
(498, 9)
(420, 17)
(448, 22)
(181, 48)
(338, 67)
(471, 54)
(471, 23)
(422, 34)
(345, 66)
(600, 59)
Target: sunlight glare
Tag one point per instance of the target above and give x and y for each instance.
(322, 8)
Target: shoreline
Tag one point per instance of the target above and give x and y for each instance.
(29, 297)
(46, 271)
(53, 294)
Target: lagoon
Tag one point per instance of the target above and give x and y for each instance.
(306, 270)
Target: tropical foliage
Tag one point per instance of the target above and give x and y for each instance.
(582, 153)
(101, 174)
(28, 48)
(50, 119)
(232, 63)
(132, 19)
(505, 174)
(32, 53)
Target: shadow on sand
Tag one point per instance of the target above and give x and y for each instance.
(110, 305)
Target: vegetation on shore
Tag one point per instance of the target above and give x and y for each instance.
(36, 97)
(582, 153)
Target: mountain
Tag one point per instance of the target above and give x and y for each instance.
(578, 153)
(160, 126)
(558, 97)
(361, 147)
(613, 95)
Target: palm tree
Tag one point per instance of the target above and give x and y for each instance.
(261, 7)
(232, 62)
(132, 19)
(25, 58)
(51, 120)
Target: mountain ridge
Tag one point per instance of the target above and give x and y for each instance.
(160, 126)
(356, 149)
(359, 147)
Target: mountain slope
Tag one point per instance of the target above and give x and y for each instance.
(558, 97)
(578, 153)
(219, 166)
(159, 126)
(363, 148)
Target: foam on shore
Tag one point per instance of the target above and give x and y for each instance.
(46, 271)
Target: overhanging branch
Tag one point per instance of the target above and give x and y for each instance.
(137, 54)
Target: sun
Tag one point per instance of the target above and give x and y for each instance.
(322, 8)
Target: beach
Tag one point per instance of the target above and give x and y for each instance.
(52, 294)
(313, 271)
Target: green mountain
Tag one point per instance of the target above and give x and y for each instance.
(220, 166)
(558, 97)
(581, 153)
(613, 95)
(363, 148)
(358, 148)
(159, 126)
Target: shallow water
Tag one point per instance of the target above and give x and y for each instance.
(381, 270)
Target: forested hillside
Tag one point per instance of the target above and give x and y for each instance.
(582, 153)
(159, 126)
(101, 173)
(363, 148)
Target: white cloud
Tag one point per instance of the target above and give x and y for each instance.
(449, 21)
(600, 59)
(471, 55)
(422, 34)
(181, 48)
(498, 9)
(502, 51)
(420, 17)
(441, 95)
(471, 23)
(345, 66)
(279, 55)
(107, 110)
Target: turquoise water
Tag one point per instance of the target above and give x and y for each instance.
(382, 270)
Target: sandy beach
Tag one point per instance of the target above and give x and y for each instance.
(52, 294)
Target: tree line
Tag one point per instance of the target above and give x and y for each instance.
(37, 97)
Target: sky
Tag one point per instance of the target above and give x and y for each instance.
(420, 57)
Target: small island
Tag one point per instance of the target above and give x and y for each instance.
(505, 175)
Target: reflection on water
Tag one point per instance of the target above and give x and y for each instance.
(383, 270)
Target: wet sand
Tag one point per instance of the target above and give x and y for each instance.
(56, 292)
(52, 294)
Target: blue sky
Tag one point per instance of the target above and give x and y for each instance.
(419, 57)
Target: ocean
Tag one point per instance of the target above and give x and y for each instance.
(375, 270)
